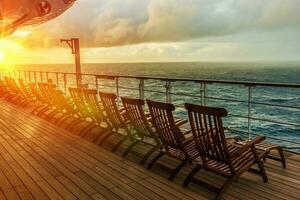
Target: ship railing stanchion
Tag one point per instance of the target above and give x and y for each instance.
(168, 91)
(249, 111)
(57, 80)
(142, 89)
(65, 82)
(97, 84)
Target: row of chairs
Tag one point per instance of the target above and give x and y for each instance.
(204, 144)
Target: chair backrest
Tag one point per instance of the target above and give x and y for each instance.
(135, 113)
(110, 106)
(60, 101)
(92, 101)
(35, 92)
(208, 131)
(79, 101)
(24, 89)
(164, 123)
(46, 91)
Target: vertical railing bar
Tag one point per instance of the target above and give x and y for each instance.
(25, 76)
(35, 78)
(168, 91)
(29, 75)
(201, 93)
(97, 84)
(57, 80)
(47, 76)
(142, 89)
(65, 83)
(117, 86)
(204, 94)
(41, 77)
(249, 111)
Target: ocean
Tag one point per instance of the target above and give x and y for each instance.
(287, 135)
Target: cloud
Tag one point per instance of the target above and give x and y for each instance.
(108, 23)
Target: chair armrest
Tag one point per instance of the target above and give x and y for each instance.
(247, 146)
(180, 122)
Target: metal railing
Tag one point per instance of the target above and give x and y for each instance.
(250, 104)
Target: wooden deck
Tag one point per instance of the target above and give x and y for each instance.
(41, 161)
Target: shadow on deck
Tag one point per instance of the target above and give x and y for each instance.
(41, 161)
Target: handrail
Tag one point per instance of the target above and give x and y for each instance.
(209, 81)
(166, 91)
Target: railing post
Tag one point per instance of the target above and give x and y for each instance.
(97, 83)
(47, 76)
(249, 111)
(65, 83)
(41, 77)
(29, 75)
(204, 94)
(34, 74)
(142, 89)
(25, 76)
(168, 91)
(117, 87)
(57, 80)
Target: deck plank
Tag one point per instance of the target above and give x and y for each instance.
(41, 161)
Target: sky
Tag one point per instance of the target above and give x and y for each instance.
(164, 31)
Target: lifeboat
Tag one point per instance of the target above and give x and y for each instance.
(15, 14)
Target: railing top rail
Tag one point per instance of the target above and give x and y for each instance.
(207, 81)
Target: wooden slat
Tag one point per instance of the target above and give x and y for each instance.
(41, 161)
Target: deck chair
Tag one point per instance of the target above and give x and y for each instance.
(46, 91)
(14, 92)
(82, 109)
(28, 97)
(140, 123)
(96, 110)
(116, 119)
(177, 144)
(216, 154)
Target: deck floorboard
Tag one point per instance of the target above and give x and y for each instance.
(39, 160)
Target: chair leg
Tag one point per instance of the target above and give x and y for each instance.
(130, 147)
(178, 168)
(148, 154)
(120, 142)
(225, 186)
(88, 129)
(282, 157)
(191, 175)
(110, 133)
(155, 159)
(260, 165)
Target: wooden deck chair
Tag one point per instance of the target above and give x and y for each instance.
(28, 97)
(176, 143)
(65, 109)
(3, 88)
(14, 92)
(46, 92)
(40, 100)
(140, 123)
(81, 108)
(216, 154)
(116, 119)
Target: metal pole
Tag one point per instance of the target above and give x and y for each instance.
(75, 47)
(117, 86)
(97, 84)
(249, 111)
(65, 82)
(141, 89)
(168, 91)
